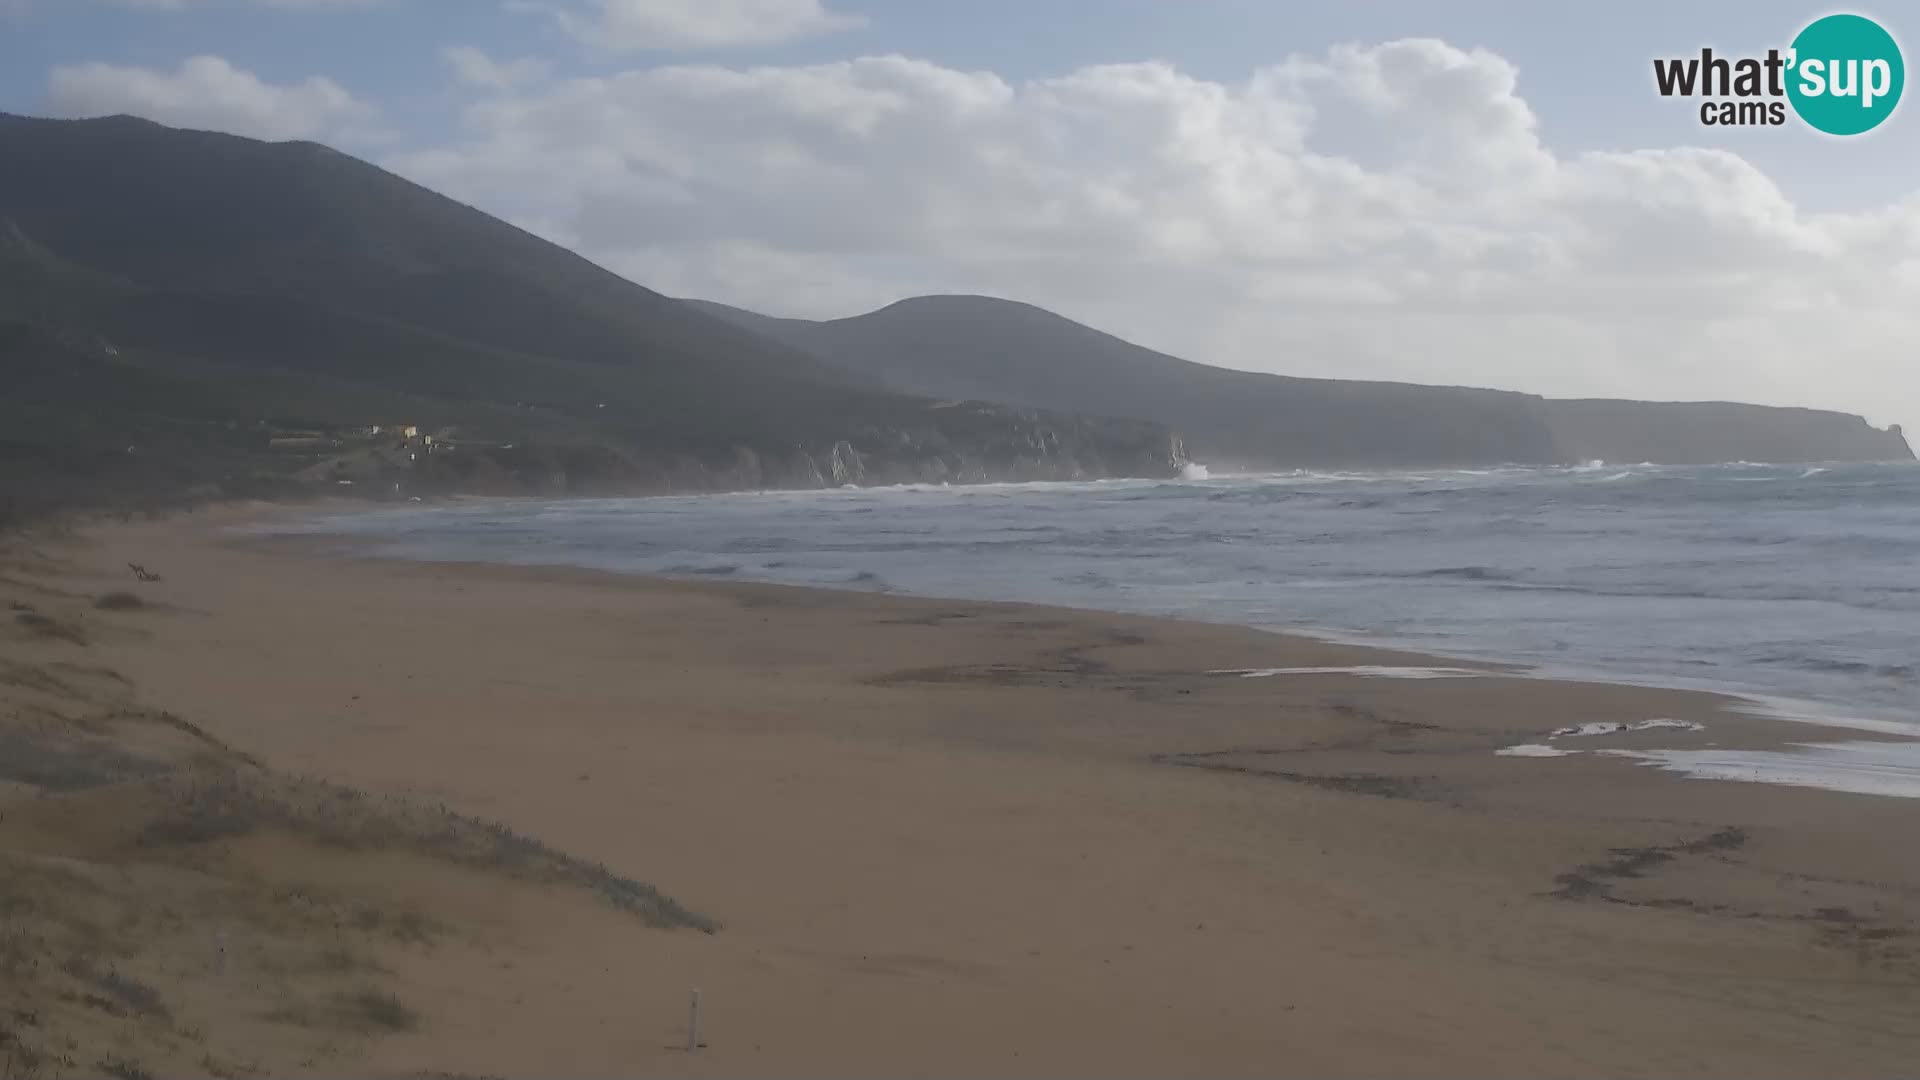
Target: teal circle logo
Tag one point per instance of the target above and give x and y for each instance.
(1845, 74)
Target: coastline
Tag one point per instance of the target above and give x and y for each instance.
(1337, 568)
(920, 821)
(1840, 720)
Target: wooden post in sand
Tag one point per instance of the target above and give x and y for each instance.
(693, 1023)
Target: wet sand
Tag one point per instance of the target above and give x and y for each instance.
(948, 838)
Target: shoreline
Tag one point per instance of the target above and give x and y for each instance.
(1737, 701)
(919, 823)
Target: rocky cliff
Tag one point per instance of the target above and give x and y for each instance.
(1697, 433)
(975, 443)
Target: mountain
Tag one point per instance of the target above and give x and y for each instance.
(275, 302)
(973, 346)
(184, 311)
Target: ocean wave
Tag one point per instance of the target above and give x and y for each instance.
(1470, 573)
(1863, 768)
(1259, 496)
(1841, 667)
(1856, 597)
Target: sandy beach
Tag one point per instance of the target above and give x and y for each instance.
(935, 837)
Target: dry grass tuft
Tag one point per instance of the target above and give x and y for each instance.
(376, 1009)
(124, 1069)
(122, 992)
(234, 804)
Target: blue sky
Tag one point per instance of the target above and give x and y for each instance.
(1453, 210)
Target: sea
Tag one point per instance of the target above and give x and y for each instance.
(1795, 587)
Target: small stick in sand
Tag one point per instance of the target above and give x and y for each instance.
(693, 1024)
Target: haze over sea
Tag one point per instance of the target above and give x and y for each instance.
(1776, 581)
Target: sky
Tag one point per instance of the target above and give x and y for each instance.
(1473, 193)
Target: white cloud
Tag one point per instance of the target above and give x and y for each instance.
(182, 5)
(1382, 212)
(208, 92)
(476, 68)
(632, 25)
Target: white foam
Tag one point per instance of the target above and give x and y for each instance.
(1863, 768)
(1620, 727)
(1533, 750)
(1365, 671)
(1193, 470)
(1807, 712)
